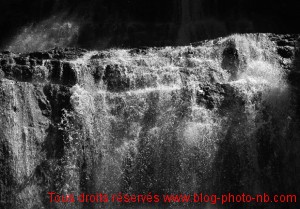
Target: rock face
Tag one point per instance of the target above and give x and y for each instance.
(215, 117)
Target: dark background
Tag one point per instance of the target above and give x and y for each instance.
(131, 23)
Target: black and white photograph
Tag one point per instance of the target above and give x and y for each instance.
(149, 104)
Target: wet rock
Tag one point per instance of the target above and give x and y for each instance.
(32, 62)
(210, 95)
(58, 97)
(67, 53)
(44, 104)
(23, 73)
(142, 51)
(18, 72)
(232, 100)
(56, 69)
(98, 73)
(40, 55)
(21, 60)
(40, 74)
(285, 40)
(115, 78)
(69, 76)
(285, 52)
(6, 60)
(6, 52)
(230, 59)
(1, 74)
(101, 55)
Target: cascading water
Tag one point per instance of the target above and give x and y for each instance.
(177, 120)
(211, 118)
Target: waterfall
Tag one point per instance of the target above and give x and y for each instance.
(181, 119)
(213, 117)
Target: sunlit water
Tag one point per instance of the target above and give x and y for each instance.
(160, 135)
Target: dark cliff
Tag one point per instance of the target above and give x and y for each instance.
(216, 116)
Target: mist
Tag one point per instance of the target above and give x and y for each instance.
(100, 24)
